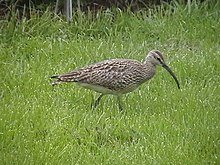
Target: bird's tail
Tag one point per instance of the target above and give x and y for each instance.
(70, 77)
(55, 76)
(57, 81)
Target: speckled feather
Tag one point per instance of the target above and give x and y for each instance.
(118, 75)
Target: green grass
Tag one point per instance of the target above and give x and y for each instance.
(160, 124)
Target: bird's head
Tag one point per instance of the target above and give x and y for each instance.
(155, 57)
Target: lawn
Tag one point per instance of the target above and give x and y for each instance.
(160, 124)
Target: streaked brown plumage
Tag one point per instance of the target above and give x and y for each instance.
(116, 76)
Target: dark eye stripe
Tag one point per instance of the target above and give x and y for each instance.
(159, 54)
(159, 60)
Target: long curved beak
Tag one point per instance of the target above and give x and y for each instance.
(172, 74)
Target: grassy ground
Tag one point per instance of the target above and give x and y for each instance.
(160, 124)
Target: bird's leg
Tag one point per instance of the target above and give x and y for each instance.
(119, 103)
(97, 101)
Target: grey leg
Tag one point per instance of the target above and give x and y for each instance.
(119, 103)
(97, 101)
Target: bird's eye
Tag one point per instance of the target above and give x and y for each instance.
(158, 59)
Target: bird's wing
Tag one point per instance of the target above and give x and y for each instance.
(114, 74)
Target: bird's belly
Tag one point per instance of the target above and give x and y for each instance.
(98, 88)
(105, 90)
(128, 89)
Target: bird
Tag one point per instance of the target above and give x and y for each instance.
(116, 76)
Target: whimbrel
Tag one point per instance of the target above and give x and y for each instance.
(116, 76)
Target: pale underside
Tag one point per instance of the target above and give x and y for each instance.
(104, 90)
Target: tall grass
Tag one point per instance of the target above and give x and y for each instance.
(160, 124)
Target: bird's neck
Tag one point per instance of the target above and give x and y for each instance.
(149, 64)
(150, 69)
